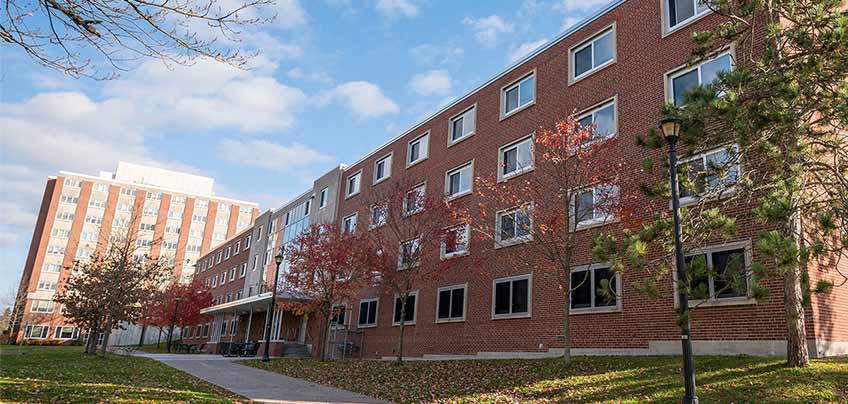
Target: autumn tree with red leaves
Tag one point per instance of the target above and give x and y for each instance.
(549, 196)
(405, 232)
(326, 266)
(184, 299)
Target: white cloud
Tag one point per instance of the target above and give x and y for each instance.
(392, 9)
(290, 14)
(433, 82)
(364, 99)
(579, 5)
(525, 49)
(298, 73)
(569, 21)
(487, 29)
(269, 155)
(435, 55)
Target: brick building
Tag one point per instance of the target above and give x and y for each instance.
(78, 212)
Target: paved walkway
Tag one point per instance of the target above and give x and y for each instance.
(257, 384)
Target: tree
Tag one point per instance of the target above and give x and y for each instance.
(95, 38)
(555, 188)
(112, 285)
(325, 267)
(179, 304)
(403, 239)
(782, 110)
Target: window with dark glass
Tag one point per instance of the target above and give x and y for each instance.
(512, 296)
(451, 305)
(587, 288)
(367, 313)
(409, 313)
(717, 274)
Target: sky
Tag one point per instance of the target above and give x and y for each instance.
(332, 80)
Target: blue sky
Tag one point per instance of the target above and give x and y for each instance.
(333, 79)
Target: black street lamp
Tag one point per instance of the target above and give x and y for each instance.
(278, 259)
(670, 128)
(173, 322)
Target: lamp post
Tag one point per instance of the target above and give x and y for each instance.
(278, 259)
(670, 128)
(173, 322)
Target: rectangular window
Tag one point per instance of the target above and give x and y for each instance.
(338, 316)
(462, 125)
(223, 278)
(220, 256)
(247, 241)
(236, 247)
(601, 120)
(383, 169)
(42, 306)
(450, 304)
(128, 191)
(97, 203)
(368, 313)
(227, 253)
(379, 215)
(418, 149)
(243, 270)
(413, 202)
(65, 332)
(201, 203)
(408, 313)
(233, 274)
(47, 285)
(705, 73)
(65, 216)
(99, 187)
(73, 182)
(590, 56)
(61, 233)
(455, 241)
(516, 158)
(322, 200)
(36, 331)
(353, 183)
(409, 254)
(513, 226)
(593, 206)
(718, 273)
(709, 173)
(458, 181)
(511, 297)
(587, 290)
(51, 268)
(349, 223)
(518, 95)
(679, 12)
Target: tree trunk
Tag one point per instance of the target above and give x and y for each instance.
(141, 338)
(92, 338)
(797, 354)
(107, 331)
(159, 338)
(566, 335)
(325, 337)
(399, 360)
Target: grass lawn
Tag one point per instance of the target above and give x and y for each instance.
(64, 374)
(721, 379)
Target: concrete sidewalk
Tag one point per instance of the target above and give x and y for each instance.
(257, 384)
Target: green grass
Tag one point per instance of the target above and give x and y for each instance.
(725, 379)
(64, 374)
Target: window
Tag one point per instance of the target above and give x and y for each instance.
(679, 12)
(590, 56)
(413, 202)
(418, 149)
(243, 270)
(51, 268)
(450, 304)
(462, 125)
(47, 285)
(99, 187)
(69, 199)
(215, 281)
(178, 199)
(238, 294)
(147, 226)
(247, 241)
(223, 277)
(587, 286)
(518, 95)
(409, 254)
(601, 120)
(715, 171)
(65, 216)
(705, 73)
(516, 158)
(367, 313)
(349, 224)
(201, 203)
(337, 319)
(455, 241)
(195, 232)
(199, 218)
(65, 332)
(89, 236)
(73, 182)
(408, 313)
(221, 220)
(42, 306)
(233, 274)
(61, 233)
(513, 226)
(383, 169)
(93, 219)
(36, 331)
(322, 199)
(593, 206)
(458, 180)
(255, 261)
(511, 297)
(720, 273)
(55, 250)
(97, 203)
(353, 183)
(379, 214)
(128, 191)
(218, 236)
(172, 229)
(218, 260)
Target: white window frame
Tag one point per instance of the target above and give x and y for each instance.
(372, 224)
(416, 243)
(464, 287)
(595, 221)
(723, 301)
(443, 248)
(355, 218)
(686, 68)
(517, 84)
(387, 169)
(423, 152)
(376, 301)
(358, 176)
(603, 309)
(406, 211)
(337, 326)
(516, 240)
(593, 110)
(414, 311)
(44, 333)
(470, 166)
(51, 306)
(57, 333)
(667, 29)
(510, 279)
(692, 199)
(243, 270)
(572, 77)
(515, 144)
(471, 109)
(322, 197)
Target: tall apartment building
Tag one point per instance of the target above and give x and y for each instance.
(179, 210)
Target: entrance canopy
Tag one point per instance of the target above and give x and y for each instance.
(255, 303)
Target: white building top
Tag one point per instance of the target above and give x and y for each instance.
(162, 178)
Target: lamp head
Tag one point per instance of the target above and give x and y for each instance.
(670, 128)
(279, 257)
